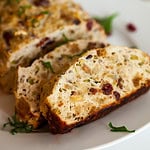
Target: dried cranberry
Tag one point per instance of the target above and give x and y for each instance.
(46, 44)
(102, 45)
(89, 25)
(119, 83)
(89, 57)
(8, 35)
(42, 42)
(73, 93)
(49, 45)
(131, 27)
(91, 45)
(76, 21)
(117, 95)
(93, 91)
(43, 3)
(107, 89)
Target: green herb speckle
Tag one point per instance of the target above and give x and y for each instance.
(17, 126)
(48, 66)
(30, 80)
(44, 12)
(66, 40)
(35, 22)
(22, 9)
(73, 56)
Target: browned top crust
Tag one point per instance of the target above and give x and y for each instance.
(23, 21)
(26, 26)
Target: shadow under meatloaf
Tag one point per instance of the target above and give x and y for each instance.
(33, 30)
(98, 83)
(30, 80)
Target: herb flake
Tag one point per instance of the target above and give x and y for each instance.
(17, 126)
(106, 22)
(119, 129)
(66, 40)
(48, 66)
(44, 12)
(35, 22)
(22, 9)
(73, 56)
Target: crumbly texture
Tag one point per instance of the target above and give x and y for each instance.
(31, 79)
(30, 29)
(99, 82)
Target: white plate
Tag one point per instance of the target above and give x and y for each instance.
(134, 115)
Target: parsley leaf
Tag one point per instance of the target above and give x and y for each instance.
(66, 40)
(17, 126)
(48, 66)
(73, 56)
(44, 12)
(119, 129)
(35, 22)
(106, 22)
(22, 9)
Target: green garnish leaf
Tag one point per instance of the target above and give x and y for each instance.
(107, 22)
(73, 56)
(66, 40)
(22, 9)
(48, 66)
(44, 12)
(119, 129)
(35, 22)
(17, 126)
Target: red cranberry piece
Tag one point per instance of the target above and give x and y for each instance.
(42, 42)
(89, 57)
(107, 89)
(48, 45)
(131, 27)
(117, 95)
(119, 83)
(89, 25)
(43, 3)
(7, 36)
(73, 93)
(91, 45)
(102, 45)
(93, 91)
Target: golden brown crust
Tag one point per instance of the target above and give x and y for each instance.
(59, 127)
(7, 81)
(29, 31)
(24, 113)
